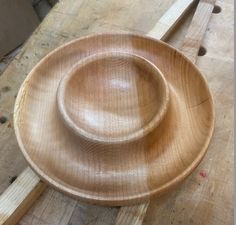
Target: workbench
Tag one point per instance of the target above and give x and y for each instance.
(206, 196)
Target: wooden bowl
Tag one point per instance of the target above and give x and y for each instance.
(128, 100)
(114, 119)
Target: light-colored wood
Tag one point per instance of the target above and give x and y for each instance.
(199, 199)
(132, 215)
(197, 29)
(168, 21)
(23, 192)
(108, 174)
(130, 97)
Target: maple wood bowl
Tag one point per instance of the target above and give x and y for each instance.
(128, 100)
(114, 141)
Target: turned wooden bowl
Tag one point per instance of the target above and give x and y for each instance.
(114, 119)
(128, 100)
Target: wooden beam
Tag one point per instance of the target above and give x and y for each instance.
(197, 29)
(18, 198)
(132, 215)
(169, 20)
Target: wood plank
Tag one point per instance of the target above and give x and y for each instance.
(168, 21)
(48, 211)
(197, 29)
(18, 198)
(132, 215)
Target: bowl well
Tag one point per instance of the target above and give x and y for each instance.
(113, 97)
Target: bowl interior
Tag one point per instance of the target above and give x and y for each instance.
(106, 174)
(113, 96)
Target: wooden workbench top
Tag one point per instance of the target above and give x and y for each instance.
(206, 197)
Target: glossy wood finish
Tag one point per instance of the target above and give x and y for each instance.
(108, 176)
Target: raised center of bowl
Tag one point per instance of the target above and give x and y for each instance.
(113, 97)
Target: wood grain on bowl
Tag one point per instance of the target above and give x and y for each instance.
(114, 173)
(128, 100)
